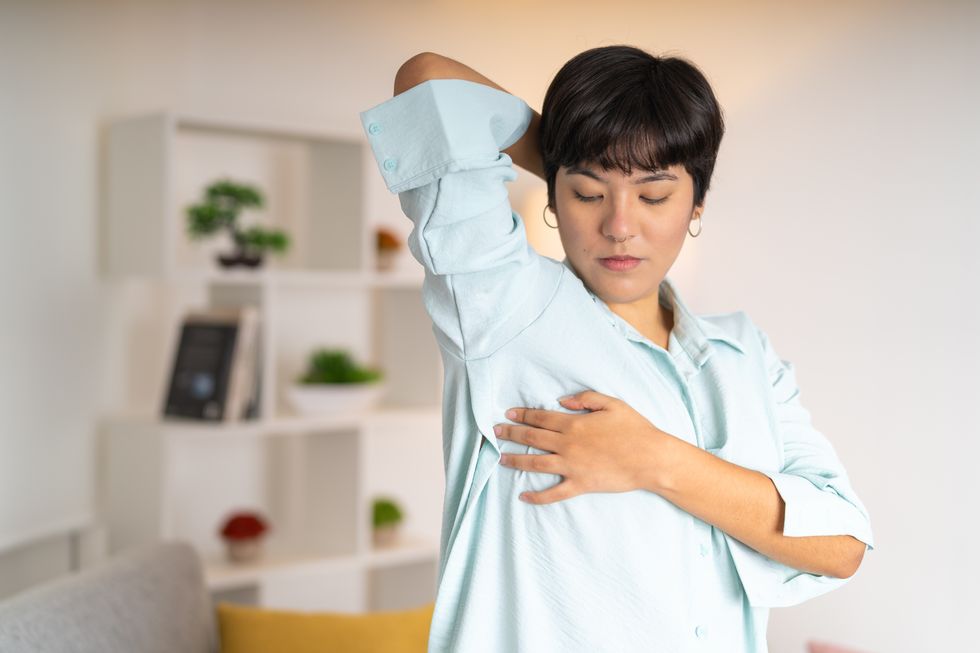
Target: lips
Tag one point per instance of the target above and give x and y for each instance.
(619, 263)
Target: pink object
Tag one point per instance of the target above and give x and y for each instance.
(823, 647)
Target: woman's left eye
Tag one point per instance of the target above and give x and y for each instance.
(659, 200)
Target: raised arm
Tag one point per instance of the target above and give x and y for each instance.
(441, 146)
(526, 152)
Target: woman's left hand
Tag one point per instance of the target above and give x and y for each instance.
(610, 449)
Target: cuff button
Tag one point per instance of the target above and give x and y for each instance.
(390, 164)
(374, 128)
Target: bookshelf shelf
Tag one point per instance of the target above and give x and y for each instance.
(281, 425)
(302, 278)
(223, 575)
(314, 477)
(410, 551)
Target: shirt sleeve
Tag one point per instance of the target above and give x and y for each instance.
(438, 145)
(818, 495)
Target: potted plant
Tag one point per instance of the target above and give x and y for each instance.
(388, 244)
(243, 533)
(387, 519)
(334, 382)
(219, 210)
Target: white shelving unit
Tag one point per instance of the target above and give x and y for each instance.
(314, 477)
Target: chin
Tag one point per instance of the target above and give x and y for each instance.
(614, 293)
(617, 298)
(621, 292)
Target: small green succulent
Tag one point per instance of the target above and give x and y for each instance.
(386, 511)
(337, 366)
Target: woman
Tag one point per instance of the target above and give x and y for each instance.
(680, 491)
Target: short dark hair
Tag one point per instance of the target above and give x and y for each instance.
(619, 106)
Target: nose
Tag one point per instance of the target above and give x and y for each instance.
(617, 224)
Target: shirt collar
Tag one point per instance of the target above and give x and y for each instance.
(694, 333)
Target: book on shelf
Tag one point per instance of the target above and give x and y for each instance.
(215, 370)
(251, 410)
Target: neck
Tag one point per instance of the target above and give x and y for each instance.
(648, 317)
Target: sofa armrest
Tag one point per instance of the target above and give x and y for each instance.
(149, 599)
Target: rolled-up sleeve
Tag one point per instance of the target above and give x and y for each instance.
(817, 492)
(438, 145)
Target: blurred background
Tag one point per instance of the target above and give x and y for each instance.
(842, 217)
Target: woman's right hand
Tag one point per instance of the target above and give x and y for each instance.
(526, 152)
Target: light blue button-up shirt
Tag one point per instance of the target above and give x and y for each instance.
(616, 572)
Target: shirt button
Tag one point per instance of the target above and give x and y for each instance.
(390, 164)
(701, 632)
(374, 128)
(704, 549)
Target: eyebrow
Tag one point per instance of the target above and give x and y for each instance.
(657, 176)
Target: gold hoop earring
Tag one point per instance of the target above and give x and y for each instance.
(544, 217)
(699, 228)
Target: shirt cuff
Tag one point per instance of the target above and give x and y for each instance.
(438, 126)
(811, 511)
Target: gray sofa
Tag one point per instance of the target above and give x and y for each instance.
(142, 600)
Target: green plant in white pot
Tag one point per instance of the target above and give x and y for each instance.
(387, 519)
(333, 382)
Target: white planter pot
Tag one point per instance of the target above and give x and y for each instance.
(386, 259)
(242, 551)
(332, 398)
(386, 536)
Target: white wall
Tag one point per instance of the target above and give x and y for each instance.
(842, 215)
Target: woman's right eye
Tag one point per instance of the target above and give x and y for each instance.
(586, 198)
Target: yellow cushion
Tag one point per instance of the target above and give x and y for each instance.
(247, 629)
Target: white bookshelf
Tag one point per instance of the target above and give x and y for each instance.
(314, 477)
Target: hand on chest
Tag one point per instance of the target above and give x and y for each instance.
(723, 407)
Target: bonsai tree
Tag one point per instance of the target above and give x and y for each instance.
(223, 201)
(337, 366)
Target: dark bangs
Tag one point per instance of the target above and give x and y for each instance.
(619, 107)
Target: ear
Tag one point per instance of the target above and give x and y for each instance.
(698, 210)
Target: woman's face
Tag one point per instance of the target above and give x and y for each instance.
(651, 210)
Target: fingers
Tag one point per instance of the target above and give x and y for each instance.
(533, 437)
(559, 492)
(533, 462)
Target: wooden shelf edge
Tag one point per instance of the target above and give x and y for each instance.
(299, 278)
(282, 425)
(411, 551)
(221, 575)
(250, 128)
